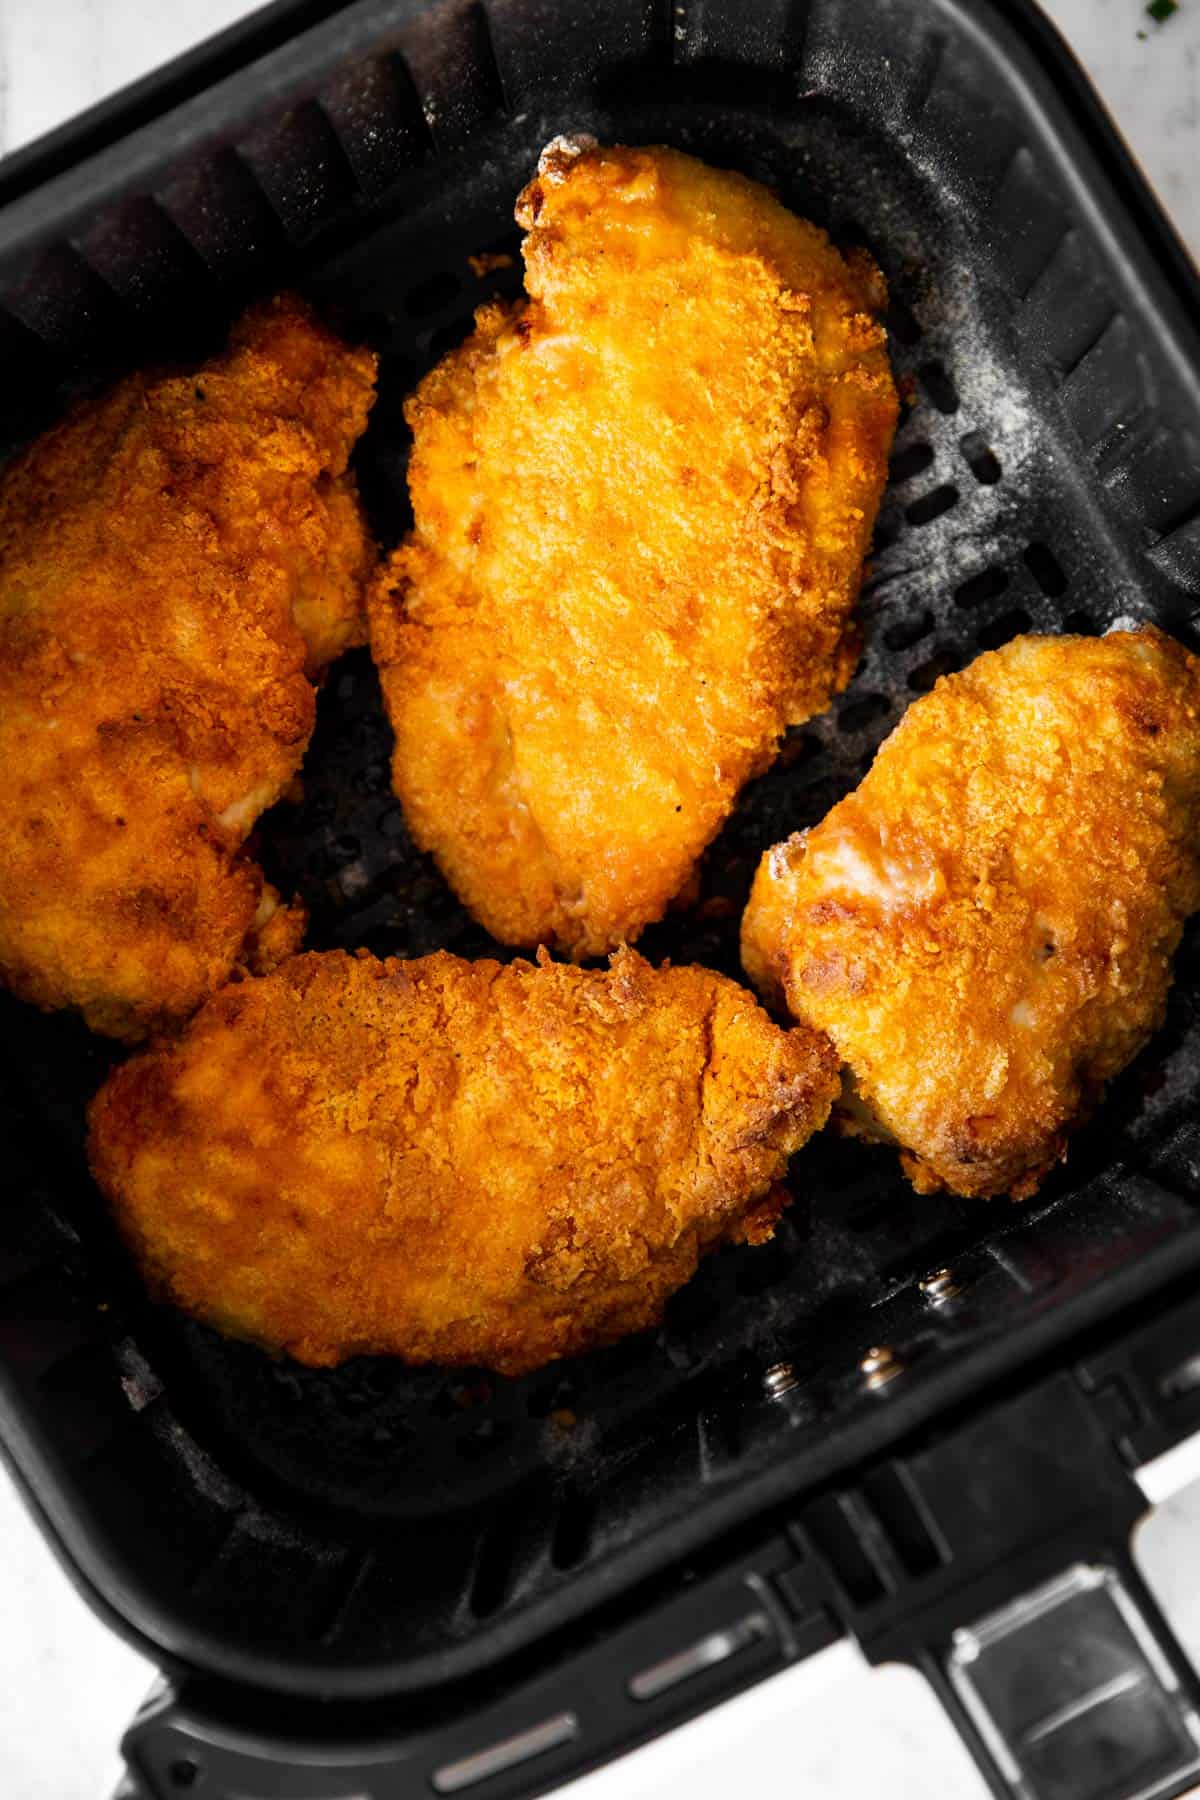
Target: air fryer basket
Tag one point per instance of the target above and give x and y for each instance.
(376, 1531)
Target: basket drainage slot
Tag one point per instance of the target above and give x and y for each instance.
(716, 1648)
(982, 461)
(938, 384)
(1043, 565)
(468, 1771)
(931, 506)
(914, 459)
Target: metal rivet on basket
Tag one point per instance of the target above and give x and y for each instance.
(941, 1286)
(780, 1379)
(880, 1365)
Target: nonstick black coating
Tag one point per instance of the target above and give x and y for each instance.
(1022, 344)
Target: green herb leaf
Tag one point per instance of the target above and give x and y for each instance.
(1161, 10)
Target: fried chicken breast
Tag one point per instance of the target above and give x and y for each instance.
(178, 560)
(453, 1161)
(642, 498)
(985, 928)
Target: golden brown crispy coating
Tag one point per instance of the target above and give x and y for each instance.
(642, 501)
(985, 928)
(177, 559)
(452, 1161)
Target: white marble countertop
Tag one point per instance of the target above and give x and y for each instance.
(67, 1686)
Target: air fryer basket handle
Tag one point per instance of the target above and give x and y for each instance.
(1006, 1575)
(709, 1633)
(994, 1556)
(1075, 1690)
(1035, 1629)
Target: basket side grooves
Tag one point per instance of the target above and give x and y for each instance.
(376, 114)
(219, 206)
(141, 254)
(529, 38)
(658, 33)
(1024, 223)
(302, 169)
(66, 303)
(770, 35)
(926, 69)
(455, 72)
(1108, 388)
(1068, 305)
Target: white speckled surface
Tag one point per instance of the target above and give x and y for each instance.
(67, 1686)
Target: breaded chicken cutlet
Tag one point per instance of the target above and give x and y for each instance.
(642, 498)
(178, 561)
(451, 1161)
(985, 928)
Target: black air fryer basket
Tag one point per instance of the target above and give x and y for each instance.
(914, 1420)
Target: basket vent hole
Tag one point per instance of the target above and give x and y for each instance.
(572, 1532)
(550, 1396)
(1082, 623)
(863, 712)
(1046, 570)
(489, 1589)
(479, 1441)
(391, 1437)
(913, 460)
(183, 1772)
(403, 373)
(869, 1214)
(932, 505)
(432, 295)
(901, 323)
(989, 584)
(764, 1270)
(887, 530)
(843, 1174)
(980, 459)
(932, 669)
(999, 631)
(691, 1312)
(447, 338)
(907, 632)
(799, 747)
(848, 235)
(935, 379)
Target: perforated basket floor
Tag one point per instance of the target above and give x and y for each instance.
(376, 1529)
